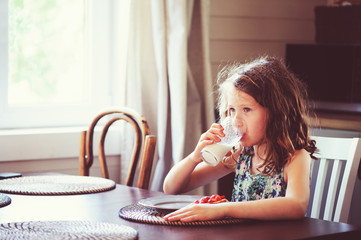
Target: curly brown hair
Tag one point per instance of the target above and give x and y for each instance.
(274, 87)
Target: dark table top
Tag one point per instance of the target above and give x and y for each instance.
(105, 206)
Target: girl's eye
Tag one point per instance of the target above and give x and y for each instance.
(231, 111)
(246, 109)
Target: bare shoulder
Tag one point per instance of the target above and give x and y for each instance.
(301, 156)
(300, 162)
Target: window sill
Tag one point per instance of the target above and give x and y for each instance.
(46, 143)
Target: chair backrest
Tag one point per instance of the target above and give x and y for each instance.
(143, 149)
(333, 177)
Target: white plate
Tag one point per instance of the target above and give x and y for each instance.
(169, 202)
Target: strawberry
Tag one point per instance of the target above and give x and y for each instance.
(215, 198)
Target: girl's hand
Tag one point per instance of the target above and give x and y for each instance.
(197, 212)
(213, 135)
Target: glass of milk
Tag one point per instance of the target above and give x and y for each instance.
(213, 154)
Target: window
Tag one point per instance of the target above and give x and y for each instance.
(60, 61)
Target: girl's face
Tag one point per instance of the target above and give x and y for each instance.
(248, 116)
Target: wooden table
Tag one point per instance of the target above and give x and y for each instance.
(104, 207)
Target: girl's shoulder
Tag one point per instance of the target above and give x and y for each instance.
(301, 154)
(300, 161)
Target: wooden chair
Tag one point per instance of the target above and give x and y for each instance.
(144, 146)
(333, 178)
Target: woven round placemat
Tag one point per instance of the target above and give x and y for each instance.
(55, 185)
(4, 200)
(140, 213)
(66, 230)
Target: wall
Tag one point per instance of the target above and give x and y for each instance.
(56, 150)
(61, 165)
(243, 29)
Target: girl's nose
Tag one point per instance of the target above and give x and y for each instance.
(238, 121)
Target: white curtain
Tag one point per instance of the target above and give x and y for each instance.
(168, 76)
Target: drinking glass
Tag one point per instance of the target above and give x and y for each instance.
(213, 154)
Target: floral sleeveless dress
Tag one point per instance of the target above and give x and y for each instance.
(249, 187)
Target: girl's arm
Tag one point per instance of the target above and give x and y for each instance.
(191, 172)
(188, 175)
(293, 205)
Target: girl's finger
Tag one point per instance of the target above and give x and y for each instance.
(211, 136)
(175, 216)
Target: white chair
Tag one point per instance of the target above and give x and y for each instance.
(333, 177)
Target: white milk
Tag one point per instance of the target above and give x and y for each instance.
(213, 154)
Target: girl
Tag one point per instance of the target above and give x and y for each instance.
(268, 105)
